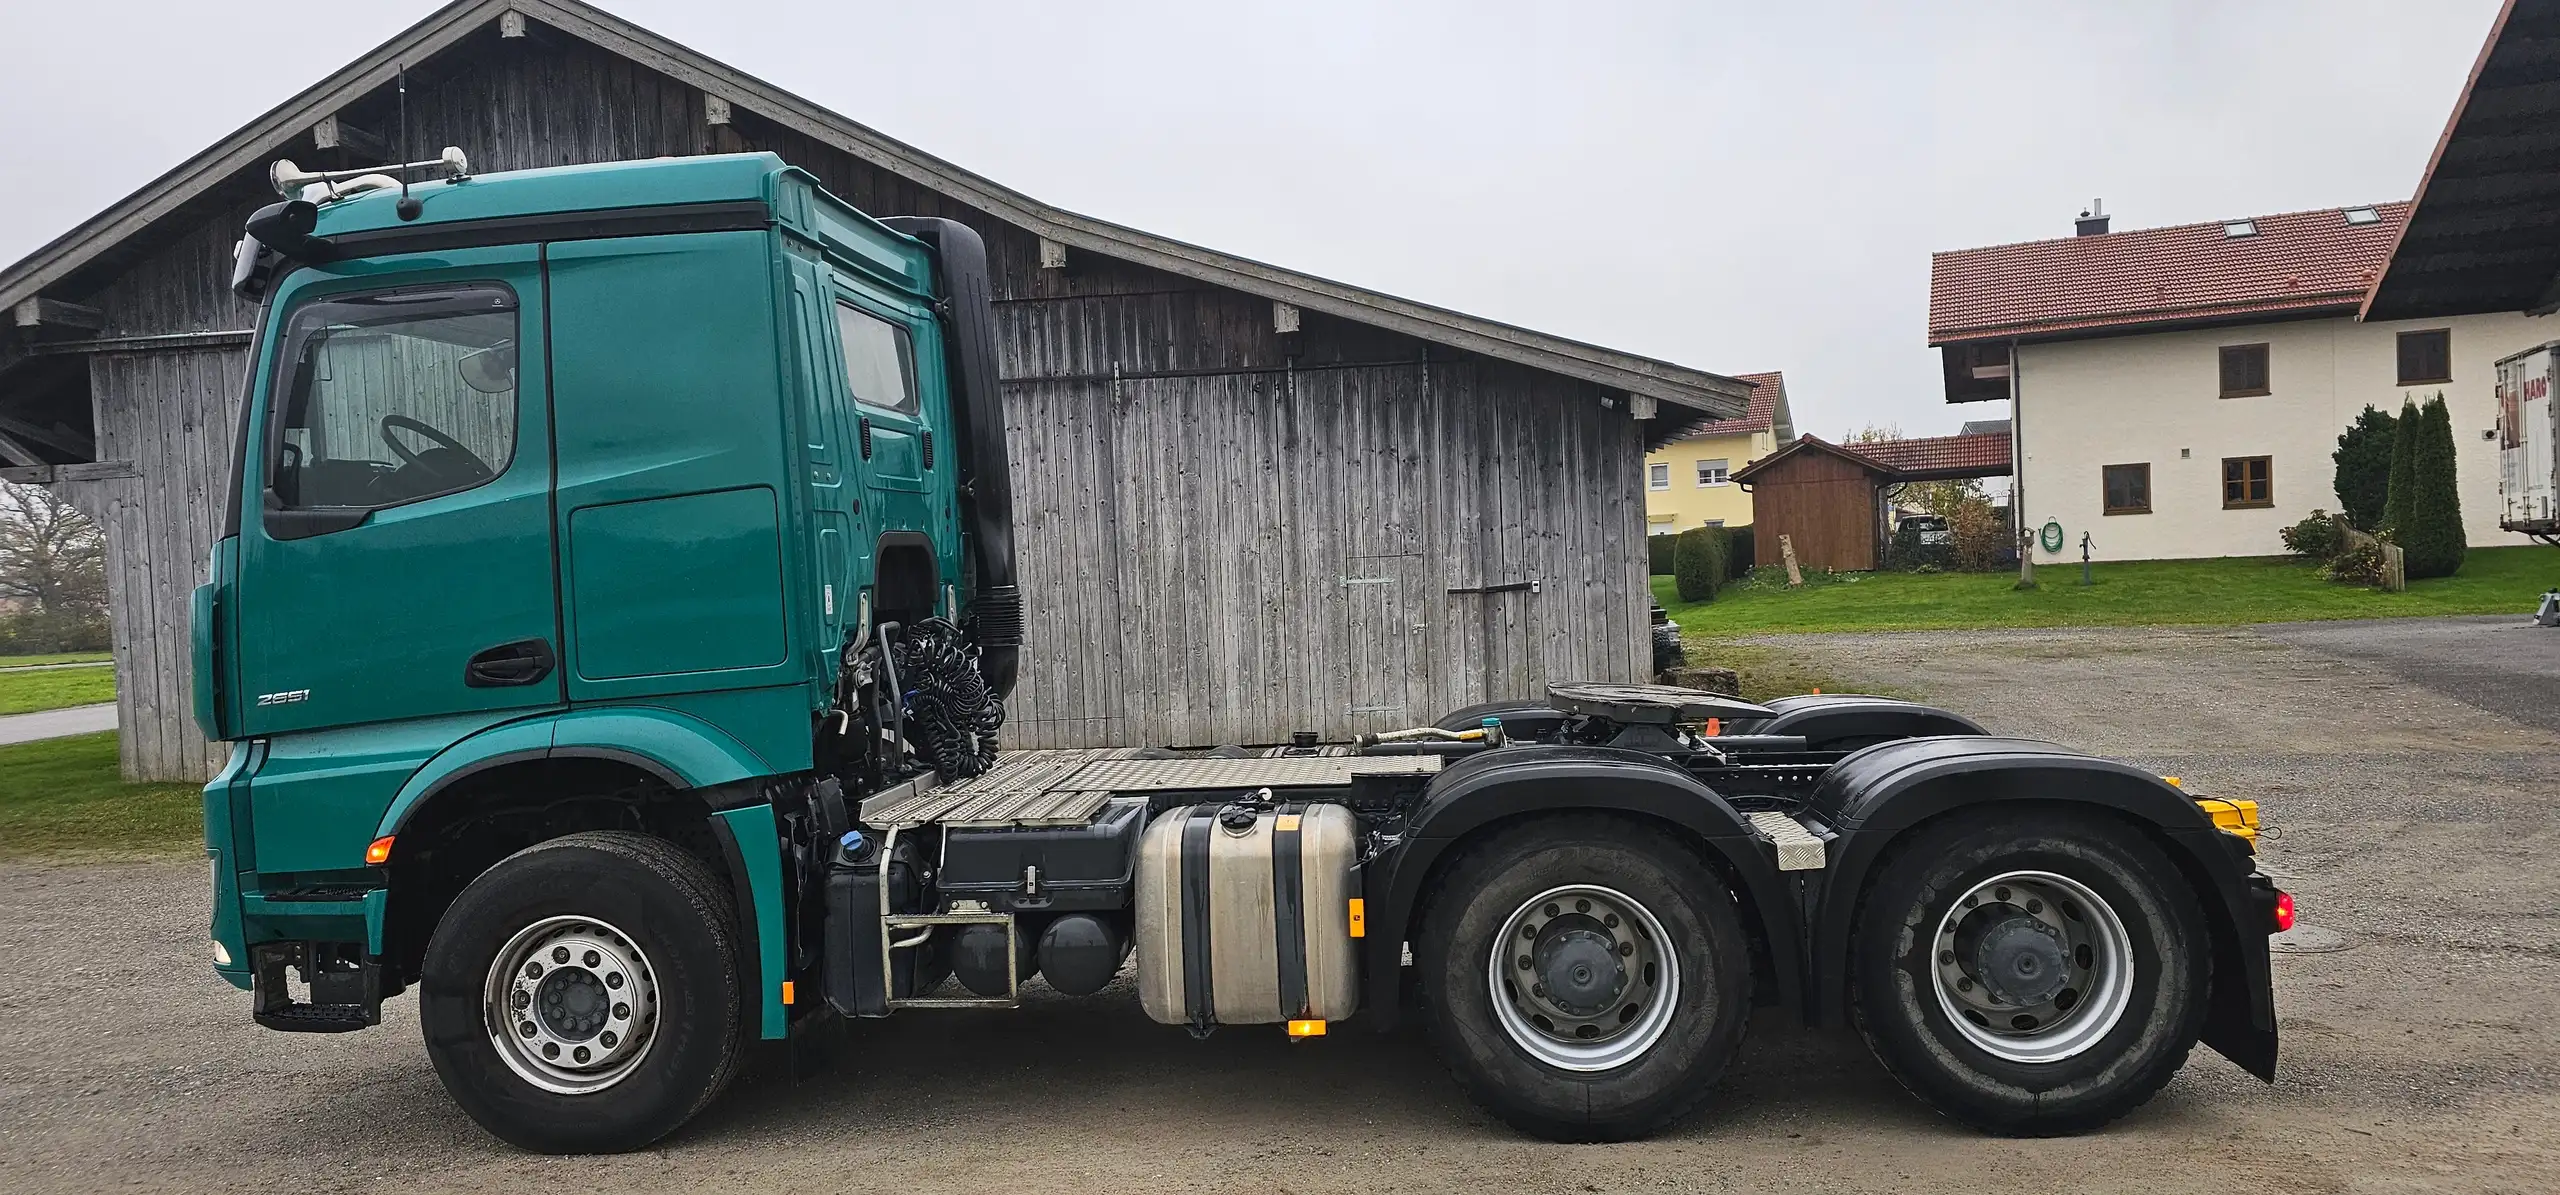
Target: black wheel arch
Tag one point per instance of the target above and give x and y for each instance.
(1482, 794)
(1847, 717)
(1879, 796)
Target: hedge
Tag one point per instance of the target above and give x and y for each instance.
(1657, 551)
(2432, 535)
(1699, 563)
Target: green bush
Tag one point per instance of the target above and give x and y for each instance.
(2432, 535)
(2404, 462)
(2364, 467)
(2319, 537)
(1698, 564)
(1657, 553)
(1744, 552)
(2357, 564)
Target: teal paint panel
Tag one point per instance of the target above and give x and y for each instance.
(318, 795)
(753, 829)
(772, 724)
(687, 584)
(596, 186)
(671, 392)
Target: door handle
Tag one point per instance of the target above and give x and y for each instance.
(522, 662)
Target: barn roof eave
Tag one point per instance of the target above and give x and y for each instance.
(1713, 395)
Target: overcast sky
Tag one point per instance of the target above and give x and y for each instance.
(1731, 186)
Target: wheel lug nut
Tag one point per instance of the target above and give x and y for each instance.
(1524, 962)
(1582, 906)
(622, 1012)
(591, 958)
(1626, 949)
(2000, 894)
(1946, 958)
(559, 954)
(1555, 910)
(613, 980)
(533, 970)
(1611, 921)
(2035, 906)
(609, 1039)
(1964, 985)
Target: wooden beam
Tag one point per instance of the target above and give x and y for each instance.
(57, 437)
(1284, 316)
(14, 453)
(715, 110)
(40, 312)
(1053, 256)
(511, 24)
(333, 132)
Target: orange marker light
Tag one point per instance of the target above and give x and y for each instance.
(1715, 726)
(380, 852)
(2284, 911)
(787, 992)
(1359, 918)
(1300, 1030)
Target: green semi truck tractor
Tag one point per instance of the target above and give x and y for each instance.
(612, 621)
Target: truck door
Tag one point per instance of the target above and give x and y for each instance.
(884, 346)
(399, 563)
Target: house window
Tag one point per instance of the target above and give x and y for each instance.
(2244, 370)
(1712, 523)
(1712, 472)
(2426, 358)
(2128, 489)
(1657, 476)
(2246, 482)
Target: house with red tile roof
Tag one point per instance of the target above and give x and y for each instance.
(1689, 481)
(2178, 391)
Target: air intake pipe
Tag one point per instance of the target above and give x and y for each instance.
(977, 413)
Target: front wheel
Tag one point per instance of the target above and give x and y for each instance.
(582, 995)
(2035, 973)
(1584, 979)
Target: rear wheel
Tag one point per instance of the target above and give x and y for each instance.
(582, 995)
(1584, 979)
(2034, 974)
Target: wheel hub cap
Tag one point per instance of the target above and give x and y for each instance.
(2021, 961)
(1581, 970)
(1582, 978)
(571, 1004)
(2032, 966)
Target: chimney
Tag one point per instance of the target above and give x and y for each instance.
(2092, 223)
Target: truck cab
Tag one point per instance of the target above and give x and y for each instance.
(572, 481)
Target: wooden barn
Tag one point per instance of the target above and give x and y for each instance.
(1831, 500)
(1251, 501)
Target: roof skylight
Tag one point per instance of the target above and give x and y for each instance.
(2363, 215)
(2240, 228)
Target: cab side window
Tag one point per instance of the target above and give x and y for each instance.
(392, 396)
(879, 359)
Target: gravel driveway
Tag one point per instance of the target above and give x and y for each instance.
(2421, 1058)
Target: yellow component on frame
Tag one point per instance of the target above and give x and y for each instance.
(2232, 817)
(1359, 918)
(1301, 1030)
(2171, 781)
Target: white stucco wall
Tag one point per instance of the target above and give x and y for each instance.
(2086, 404)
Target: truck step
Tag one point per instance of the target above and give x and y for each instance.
(1799, 849)
(320, 1018)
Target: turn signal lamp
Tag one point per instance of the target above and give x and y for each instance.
(380, 852)
(2284, 912)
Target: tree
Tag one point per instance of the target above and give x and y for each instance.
(2432, 536)
(1698, 563)
(2404, 459)
(50, 554)
(2364, 466)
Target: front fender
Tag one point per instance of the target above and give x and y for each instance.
(1876, 796)
(679, 749)
(1496, 786)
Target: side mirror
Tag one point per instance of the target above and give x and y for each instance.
(286, 228)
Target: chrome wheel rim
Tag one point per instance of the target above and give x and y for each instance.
(2032, 967)
(571, 1005)
(1583, 978)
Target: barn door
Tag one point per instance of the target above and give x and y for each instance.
(1383, 632)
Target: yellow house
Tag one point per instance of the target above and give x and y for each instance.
(1689, 483)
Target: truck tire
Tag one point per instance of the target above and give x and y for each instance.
(1635, 994)
(2032, 974)
(582, 995)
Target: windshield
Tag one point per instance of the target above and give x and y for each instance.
(394, 396)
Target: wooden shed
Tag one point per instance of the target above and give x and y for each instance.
(1820, 496)
(1251, 501)
(1831, 501)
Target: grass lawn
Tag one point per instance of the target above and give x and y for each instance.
(54, 688)
(65, 657)
(2132, 593)
(64, 795)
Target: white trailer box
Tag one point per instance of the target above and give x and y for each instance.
(2528, 424)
